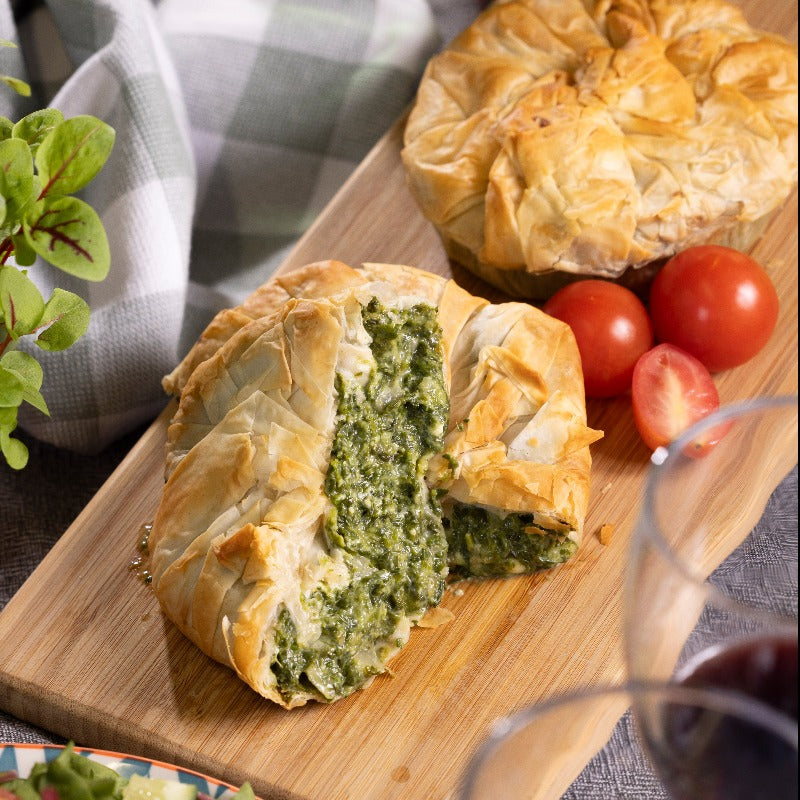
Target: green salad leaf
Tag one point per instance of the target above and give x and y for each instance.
(21, 303)
(28, 372)
(69, 234)
(72, 153)
(35, 127)
(67, 318)
(72, 776)
(16, 179)
(69, 776)
(14, 451)
(44, 160)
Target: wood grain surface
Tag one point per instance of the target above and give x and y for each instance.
(87, 654)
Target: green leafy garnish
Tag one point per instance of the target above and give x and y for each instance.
(69, 776)
(44, 160)
(72, 776)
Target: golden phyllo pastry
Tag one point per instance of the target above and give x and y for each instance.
(349, 434)
(297, 540)
(563, 138)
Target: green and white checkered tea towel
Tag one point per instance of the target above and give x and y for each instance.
(236, 121)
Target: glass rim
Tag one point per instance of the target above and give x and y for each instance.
(711, 698)
(665, 456)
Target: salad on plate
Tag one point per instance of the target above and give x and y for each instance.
(56, 773)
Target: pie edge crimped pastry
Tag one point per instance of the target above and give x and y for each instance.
(544, 152)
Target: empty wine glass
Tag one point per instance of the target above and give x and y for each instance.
(711, 600)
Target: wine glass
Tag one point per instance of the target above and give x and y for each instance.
(560, 749)
(711, 599)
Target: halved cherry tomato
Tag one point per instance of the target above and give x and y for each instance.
(715, 303)
(671, 391)
(611, 327)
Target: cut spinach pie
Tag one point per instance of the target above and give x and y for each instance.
(345, 440)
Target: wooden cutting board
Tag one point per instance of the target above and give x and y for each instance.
(86, 653)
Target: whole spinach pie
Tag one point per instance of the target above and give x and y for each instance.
(346, 441)
(551, 141)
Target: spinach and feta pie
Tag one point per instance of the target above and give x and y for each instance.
(347, 438)
(596, 137)
(297, 540)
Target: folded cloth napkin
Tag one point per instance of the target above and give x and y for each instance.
(235, 124)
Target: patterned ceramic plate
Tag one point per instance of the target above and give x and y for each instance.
(22, 757)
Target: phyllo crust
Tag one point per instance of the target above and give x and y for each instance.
(553, 139)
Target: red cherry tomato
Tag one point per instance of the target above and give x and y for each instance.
(715, 303)
(611, 327)
(671, 391)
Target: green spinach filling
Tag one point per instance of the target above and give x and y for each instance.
(483, 544)
(385, 522)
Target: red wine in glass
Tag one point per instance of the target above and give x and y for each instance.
(708, 755)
